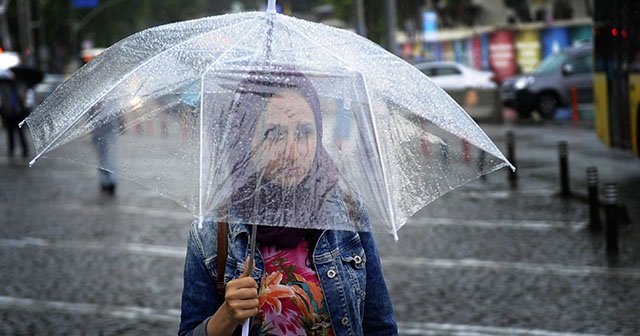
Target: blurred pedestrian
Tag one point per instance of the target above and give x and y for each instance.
(12, 112)
(104, 140)
(309, 281)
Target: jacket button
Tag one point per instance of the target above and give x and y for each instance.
(344, 321)
(331, 274)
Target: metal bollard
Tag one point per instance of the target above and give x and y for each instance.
(563, 155)
(511, 156)
(466, 151)
(444, 150)
(611, 227)
(481, 162)
(575, 112)
(594, 203)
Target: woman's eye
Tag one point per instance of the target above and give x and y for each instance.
(303, 133)
(274, 135)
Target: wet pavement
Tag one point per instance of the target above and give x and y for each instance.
(485, 259)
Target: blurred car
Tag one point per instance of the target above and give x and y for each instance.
(549, 85)
(8, 59)
(456, 76)
(49, 83)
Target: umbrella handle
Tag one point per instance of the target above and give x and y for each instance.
(271, 6)
(252, 251)
(245, 328)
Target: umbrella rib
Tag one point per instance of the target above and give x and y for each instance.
(77, 118)
(384, 172)
(201, 170)
(305, 36)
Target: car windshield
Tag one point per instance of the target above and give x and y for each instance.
(550, 63)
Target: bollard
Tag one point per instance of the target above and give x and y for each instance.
(563, 155)
(424, 145)
(594, 204)
(511, 156)
(444, 150)
(611, 227)
(466, 151)
(481, 159)
(575, 113)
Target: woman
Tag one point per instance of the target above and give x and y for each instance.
(310, 282)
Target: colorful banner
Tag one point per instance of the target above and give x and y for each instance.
(459, 51)
(554, 40)
(447, 51)
(476, 52)
(527, 50)
(501, 54)
(484, 39)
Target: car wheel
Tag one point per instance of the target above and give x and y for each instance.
(547, 104)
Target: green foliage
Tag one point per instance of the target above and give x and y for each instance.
(374, 15)
(114, 20)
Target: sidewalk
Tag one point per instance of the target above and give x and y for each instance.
(537, 161)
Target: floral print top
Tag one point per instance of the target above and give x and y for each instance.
(291, 301)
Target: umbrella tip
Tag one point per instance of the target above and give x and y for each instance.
(271, 6)
(32, 162)
(21, 123)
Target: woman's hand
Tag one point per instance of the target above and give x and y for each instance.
(240, 303)
(241, 297)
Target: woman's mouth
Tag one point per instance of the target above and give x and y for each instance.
(291, 171)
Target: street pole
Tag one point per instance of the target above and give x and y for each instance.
(43, 51)
(391, 23)
(75, 26)
(24, 27)
(4, 25)
(74, 64)
(361, 26)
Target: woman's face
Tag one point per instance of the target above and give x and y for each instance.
(285, 139)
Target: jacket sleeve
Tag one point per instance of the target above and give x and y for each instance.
(199, 297)
(378, 311)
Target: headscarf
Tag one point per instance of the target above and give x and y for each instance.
(286, 214)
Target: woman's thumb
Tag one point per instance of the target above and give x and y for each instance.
(247, 266)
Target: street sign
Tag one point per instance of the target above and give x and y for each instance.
(85, 3)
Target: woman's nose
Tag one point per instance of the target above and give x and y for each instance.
(291, 150)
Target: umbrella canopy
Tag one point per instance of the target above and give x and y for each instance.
(383, 133)
(27, 74)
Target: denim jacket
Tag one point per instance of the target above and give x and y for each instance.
(346, 262)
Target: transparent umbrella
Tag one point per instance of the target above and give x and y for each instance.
(191, 101)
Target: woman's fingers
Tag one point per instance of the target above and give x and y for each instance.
(240, 310)
(241, 315)
(241, 297)
(241, 294)
(242, 283)
(244, 304)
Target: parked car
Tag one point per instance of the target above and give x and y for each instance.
(549, 85)
(456, 76)
(49, 83)
(8, 59)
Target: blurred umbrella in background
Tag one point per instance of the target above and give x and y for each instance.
(27, 74)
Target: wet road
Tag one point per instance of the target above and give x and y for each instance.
(484, 259)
